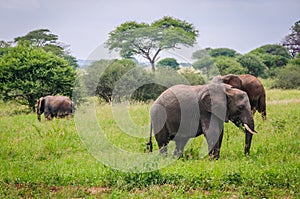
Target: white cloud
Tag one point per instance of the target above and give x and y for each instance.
(17, 4)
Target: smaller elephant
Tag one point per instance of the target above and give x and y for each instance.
(54, 106)
(252, 86)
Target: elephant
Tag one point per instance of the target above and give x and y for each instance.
(252, 86)
(54, 106)
(182, 112)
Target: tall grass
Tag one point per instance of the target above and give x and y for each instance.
(47, 159)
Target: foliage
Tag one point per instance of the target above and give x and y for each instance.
(204, 64)
(168, 62)
(151, 85)
(193, 76)
(110, 77)
(148, 40)
(228, 65)
(288, 77)
(43, 38)
(295, 61)
(292, 41)
(4, 47)
(122, 79)
(272, 49)
(27, 73)
(92, 74)
(226, 52)
(39, 38)
(199, 54)
(272, 55)
(253, 64)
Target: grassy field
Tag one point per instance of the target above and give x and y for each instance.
(48, 159)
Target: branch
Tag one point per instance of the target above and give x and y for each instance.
(157, 52)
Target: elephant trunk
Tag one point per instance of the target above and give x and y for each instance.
(249, 129)
(39, 117)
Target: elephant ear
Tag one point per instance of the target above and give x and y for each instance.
(214, 100)
(233, 80)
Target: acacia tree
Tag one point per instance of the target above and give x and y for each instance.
(43, 38)
(292, 41)
(148, 40)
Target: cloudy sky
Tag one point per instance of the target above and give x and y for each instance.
(238, 24)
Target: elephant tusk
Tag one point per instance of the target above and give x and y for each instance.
(248, 129)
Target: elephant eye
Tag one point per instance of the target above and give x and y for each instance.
(241, 107)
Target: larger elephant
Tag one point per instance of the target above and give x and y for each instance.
(252, 86)
(183, 112)
(54, 106)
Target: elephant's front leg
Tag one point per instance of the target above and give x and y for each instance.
(213, 131)
(215, 152)
(180, 144)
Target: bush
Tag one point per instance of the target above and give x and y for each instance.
(227, 65)
(28, 73)
(168, 62)
(110, 77)
(193, 76)
(253, 64)
(288, 77)
(153, 84)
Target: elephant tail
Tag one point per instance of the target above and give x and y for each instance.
(262, 106)
(149, 144)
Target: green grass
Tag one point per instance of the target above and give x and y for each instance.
(47, 159)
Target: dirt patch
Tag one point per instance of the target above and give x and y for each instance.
(283, 101)
(91, 190)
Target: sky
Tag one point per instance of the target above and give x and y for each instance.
(242, 25)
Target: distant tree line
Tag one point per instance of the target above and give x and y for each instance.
(37, 64)
(269, 61)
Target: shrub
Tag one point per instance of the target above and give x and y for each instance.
(193, 76)
(288, 77)
(168, 62)
(253, 64)
(111, 76)
(227, 65)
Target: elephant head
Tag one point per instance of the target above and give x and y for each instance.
(40, 107)
(251, 85)
(228, 103)
(230, 79)
(216, 104)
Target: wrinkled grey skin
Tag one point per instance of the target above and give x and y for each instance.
(183, 112)
(54, 106)
(252, 86)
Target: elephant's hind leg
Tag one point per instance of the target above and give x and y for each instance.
(162, 138)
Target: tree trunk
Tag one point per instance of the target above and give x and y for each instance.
(152, 66)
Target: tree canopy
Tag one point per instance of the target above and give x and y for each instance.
(148, 40)
(226, 52)
(43, 38)
(253, 64)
